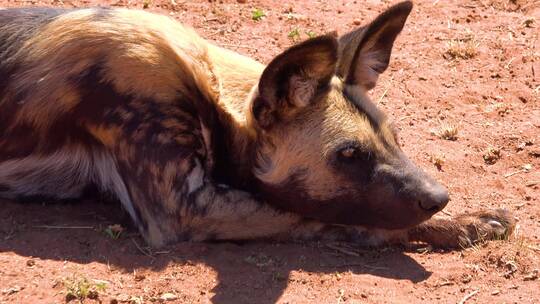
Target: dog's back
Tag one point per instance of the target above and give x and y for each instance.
(17, 25)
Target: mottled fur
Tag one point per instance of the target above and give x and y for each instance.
(200, 143)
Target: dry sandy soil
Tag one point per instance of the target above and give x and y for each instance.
(465, 66)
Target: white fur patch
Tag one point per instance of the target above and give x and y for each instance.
(195, 178)
(207, 137)
(64, 174)
(107, 177)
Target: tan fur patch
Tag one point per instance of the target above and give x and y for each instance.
(108, 135)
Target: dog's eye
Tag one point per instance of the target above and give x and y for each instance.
(353, 153)
(349, 152)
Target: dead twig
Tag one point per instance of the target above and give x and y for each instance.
(468, 296)
(467, 6)
(239, 46)
(445, 283)
(63, 227)
(526, 7)
(145, 252)
(514, 173)
(533, 248)
(507, 66)
(386, 90)
(356, 265)
(526, 168)
(532, 183)
(342, 250)
(446, 212)
(408, 90)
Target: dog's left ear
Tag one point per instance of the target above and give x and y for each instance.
(292, 80)
(365, 52)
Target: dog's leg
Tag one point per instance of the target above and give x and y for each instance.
(454, 233)
(172, 208)
(227, 214)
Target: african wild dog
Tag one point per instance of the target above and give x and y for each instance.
(200, 143)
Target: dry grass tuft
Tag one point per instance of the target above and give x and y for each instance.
(461, 49)
(448, 131)
(81, 289)
(437, 160)
(501, 108)
(492, 155)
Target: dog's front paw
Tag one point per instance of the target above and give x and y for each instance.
(465, 230)
(485, 225)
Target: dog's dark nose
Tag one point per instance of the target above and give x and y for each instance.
(434, 198)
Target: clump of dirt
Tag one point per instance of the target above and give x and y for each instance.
(513, 259)
(511, 5)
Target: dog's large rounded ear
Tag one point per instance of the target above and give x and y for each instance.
(365, 52)
(294, 78)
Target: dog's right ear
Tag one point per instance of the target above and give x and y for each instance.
(365, 52)
(293, 79)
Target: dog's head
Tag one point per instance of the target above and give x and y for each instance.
(324, 150)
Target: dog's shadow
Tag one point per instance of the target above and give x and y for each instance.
(246, 273)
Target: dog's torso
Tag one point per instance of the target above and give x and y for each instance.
(87, 92)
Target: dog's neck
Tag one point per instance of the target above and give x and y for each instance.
(234, 138)
(233, 148)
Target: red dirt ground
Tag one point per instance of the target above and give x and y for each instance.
(492, 99)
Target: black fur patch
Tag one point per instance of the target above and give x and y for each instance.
(291, 196)
(375, 116)
(18, 25)
(4, 188)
